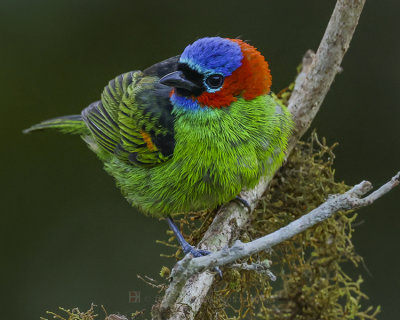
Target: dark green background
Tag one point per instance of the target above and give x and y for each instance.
(68, 236)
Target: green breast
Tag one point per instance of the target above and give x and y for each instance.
(218, 152)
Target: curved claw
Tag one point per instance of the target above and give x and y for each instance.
(204, 252)
(195, 252)
(243, 202)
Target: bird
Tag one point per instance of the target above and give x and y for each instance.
(188, 133)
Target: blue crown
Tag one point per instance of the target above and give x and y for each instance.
(213, 55)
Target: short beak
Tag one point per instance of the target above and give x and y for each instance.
(177, 80)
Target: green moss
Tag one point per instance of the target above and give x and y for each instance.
(90, 314)
(74, 314)
(165, 272)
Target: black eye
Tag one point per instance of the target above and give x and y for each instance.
(215, 81)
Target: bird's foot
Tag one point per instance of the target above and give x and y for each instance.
(243, 202)
(199, 253)
(186, 247)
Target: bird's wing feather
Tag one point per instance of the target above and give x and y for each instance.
(133, 119)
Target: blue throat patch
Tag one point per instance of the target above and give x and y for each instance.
(213, 55)
(186, 103)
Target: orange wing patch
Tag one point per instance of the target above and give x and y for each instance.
(149, 142)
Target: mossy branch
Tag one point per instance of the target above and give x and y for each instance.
(349, 200)
(311, 86)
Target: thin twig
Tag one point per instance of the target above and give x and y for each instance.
(258, 267)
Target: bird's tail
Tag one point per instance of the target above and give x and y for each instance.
(72, 124)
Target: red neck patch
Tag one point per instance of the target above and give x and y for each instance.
(250, 80)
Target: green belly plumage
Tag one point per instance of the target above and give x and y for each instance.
(217, 153)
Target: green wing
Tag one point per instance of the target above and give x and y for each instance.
(133, 119)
